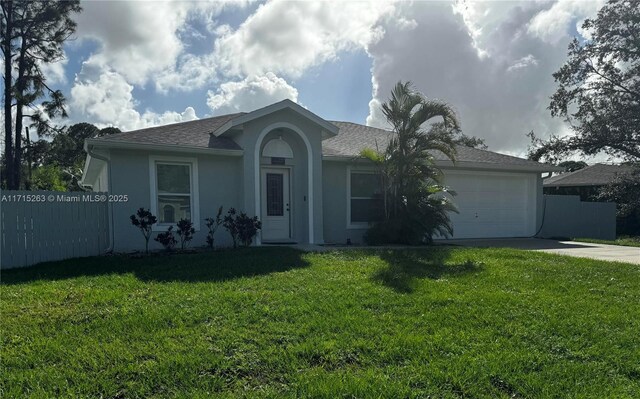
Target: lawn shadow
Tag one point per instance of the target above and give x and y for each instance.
(220, 265)
(403, 268)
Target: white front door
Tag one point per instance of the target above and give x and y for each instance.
(276, 209)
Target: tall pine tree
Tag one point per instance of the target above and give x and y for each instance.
(33, 35)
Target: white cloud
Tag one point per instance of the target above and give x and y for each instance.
(462, 57)
(552, 25)
(136, 38)
(54, 72)
(141, 39)
(249, 94)
(286, 38)
(108, 101)
(191, 72)
(289, 37)
(523, 62)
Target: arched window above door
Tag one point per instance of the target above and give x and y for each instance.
(277, 148)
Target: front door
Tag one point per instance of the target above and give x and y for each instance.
(276, 209)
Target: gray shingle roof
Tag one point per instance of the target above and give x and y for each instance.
(351, 139)
(192, 133)
(594, 175)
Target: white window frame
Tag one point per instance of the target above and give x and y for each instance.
(154, 160)
(358, 170)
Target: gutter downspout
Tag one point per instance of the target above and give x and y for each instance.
(109, 205)
(544, 207)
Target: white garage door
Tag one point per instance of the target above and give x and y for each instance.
(493, 204)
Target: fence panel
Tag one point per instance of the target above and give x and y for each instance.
(41, 226)
(567, 216)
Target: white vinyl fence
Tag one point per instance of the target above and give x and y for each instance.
(40, 226)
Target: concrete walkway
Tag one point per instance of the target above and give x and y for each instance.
(615, 253)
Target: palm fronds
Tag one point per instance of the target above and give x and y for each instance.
(412, 181)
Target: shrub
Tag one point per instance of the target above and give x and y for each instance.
(144, 220)
(185, 232)
(247, 228)
(213, 224)
(241, 227)
(418, 221)
(385, 232)
(167, 239)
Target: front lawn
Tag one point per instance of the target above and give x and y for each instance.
(275, 322)
(627, 241)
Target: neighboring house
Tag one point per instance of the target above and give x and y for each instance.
(301, 174)
(585, 182)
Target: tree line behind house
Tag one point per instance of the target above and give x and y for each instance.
(56, 163)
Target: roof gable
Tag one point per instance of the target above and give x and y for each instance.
(328, 129)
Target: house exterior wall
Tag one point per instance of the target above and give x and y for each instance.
(318, 188)
(248, 140)
(336, 229)
(219, 183)
(223, 180)
(335, 199)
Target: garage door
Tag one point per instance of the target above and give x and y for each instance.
(493, 204)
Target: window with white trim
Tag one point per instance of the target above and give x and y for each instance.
(174, 193)
(366, 203)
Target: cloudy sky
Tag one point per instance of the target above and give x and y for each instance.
(136, 64)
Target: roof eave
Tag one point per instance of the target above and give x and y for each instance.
(550, 185)
(102, 143)
(462, 164)
(344, 158)
(540, 167)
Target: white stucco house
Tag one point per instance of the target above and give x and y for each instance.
(301, 174)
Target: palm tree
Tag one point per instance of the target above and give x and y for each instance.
(415, 206)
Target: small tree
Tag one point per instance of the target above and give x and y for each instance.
(167, 239)
(144, 220)
(415, 204)
(185, 232)
(213, 224)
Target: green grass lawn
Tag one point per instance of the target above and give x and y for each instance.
(275, 322)
(626, 241)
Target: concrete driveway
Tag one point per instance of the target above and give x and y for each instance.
(615, 253)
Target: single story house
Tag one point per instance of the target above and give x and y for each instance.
(585, 182)
(301, 174)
